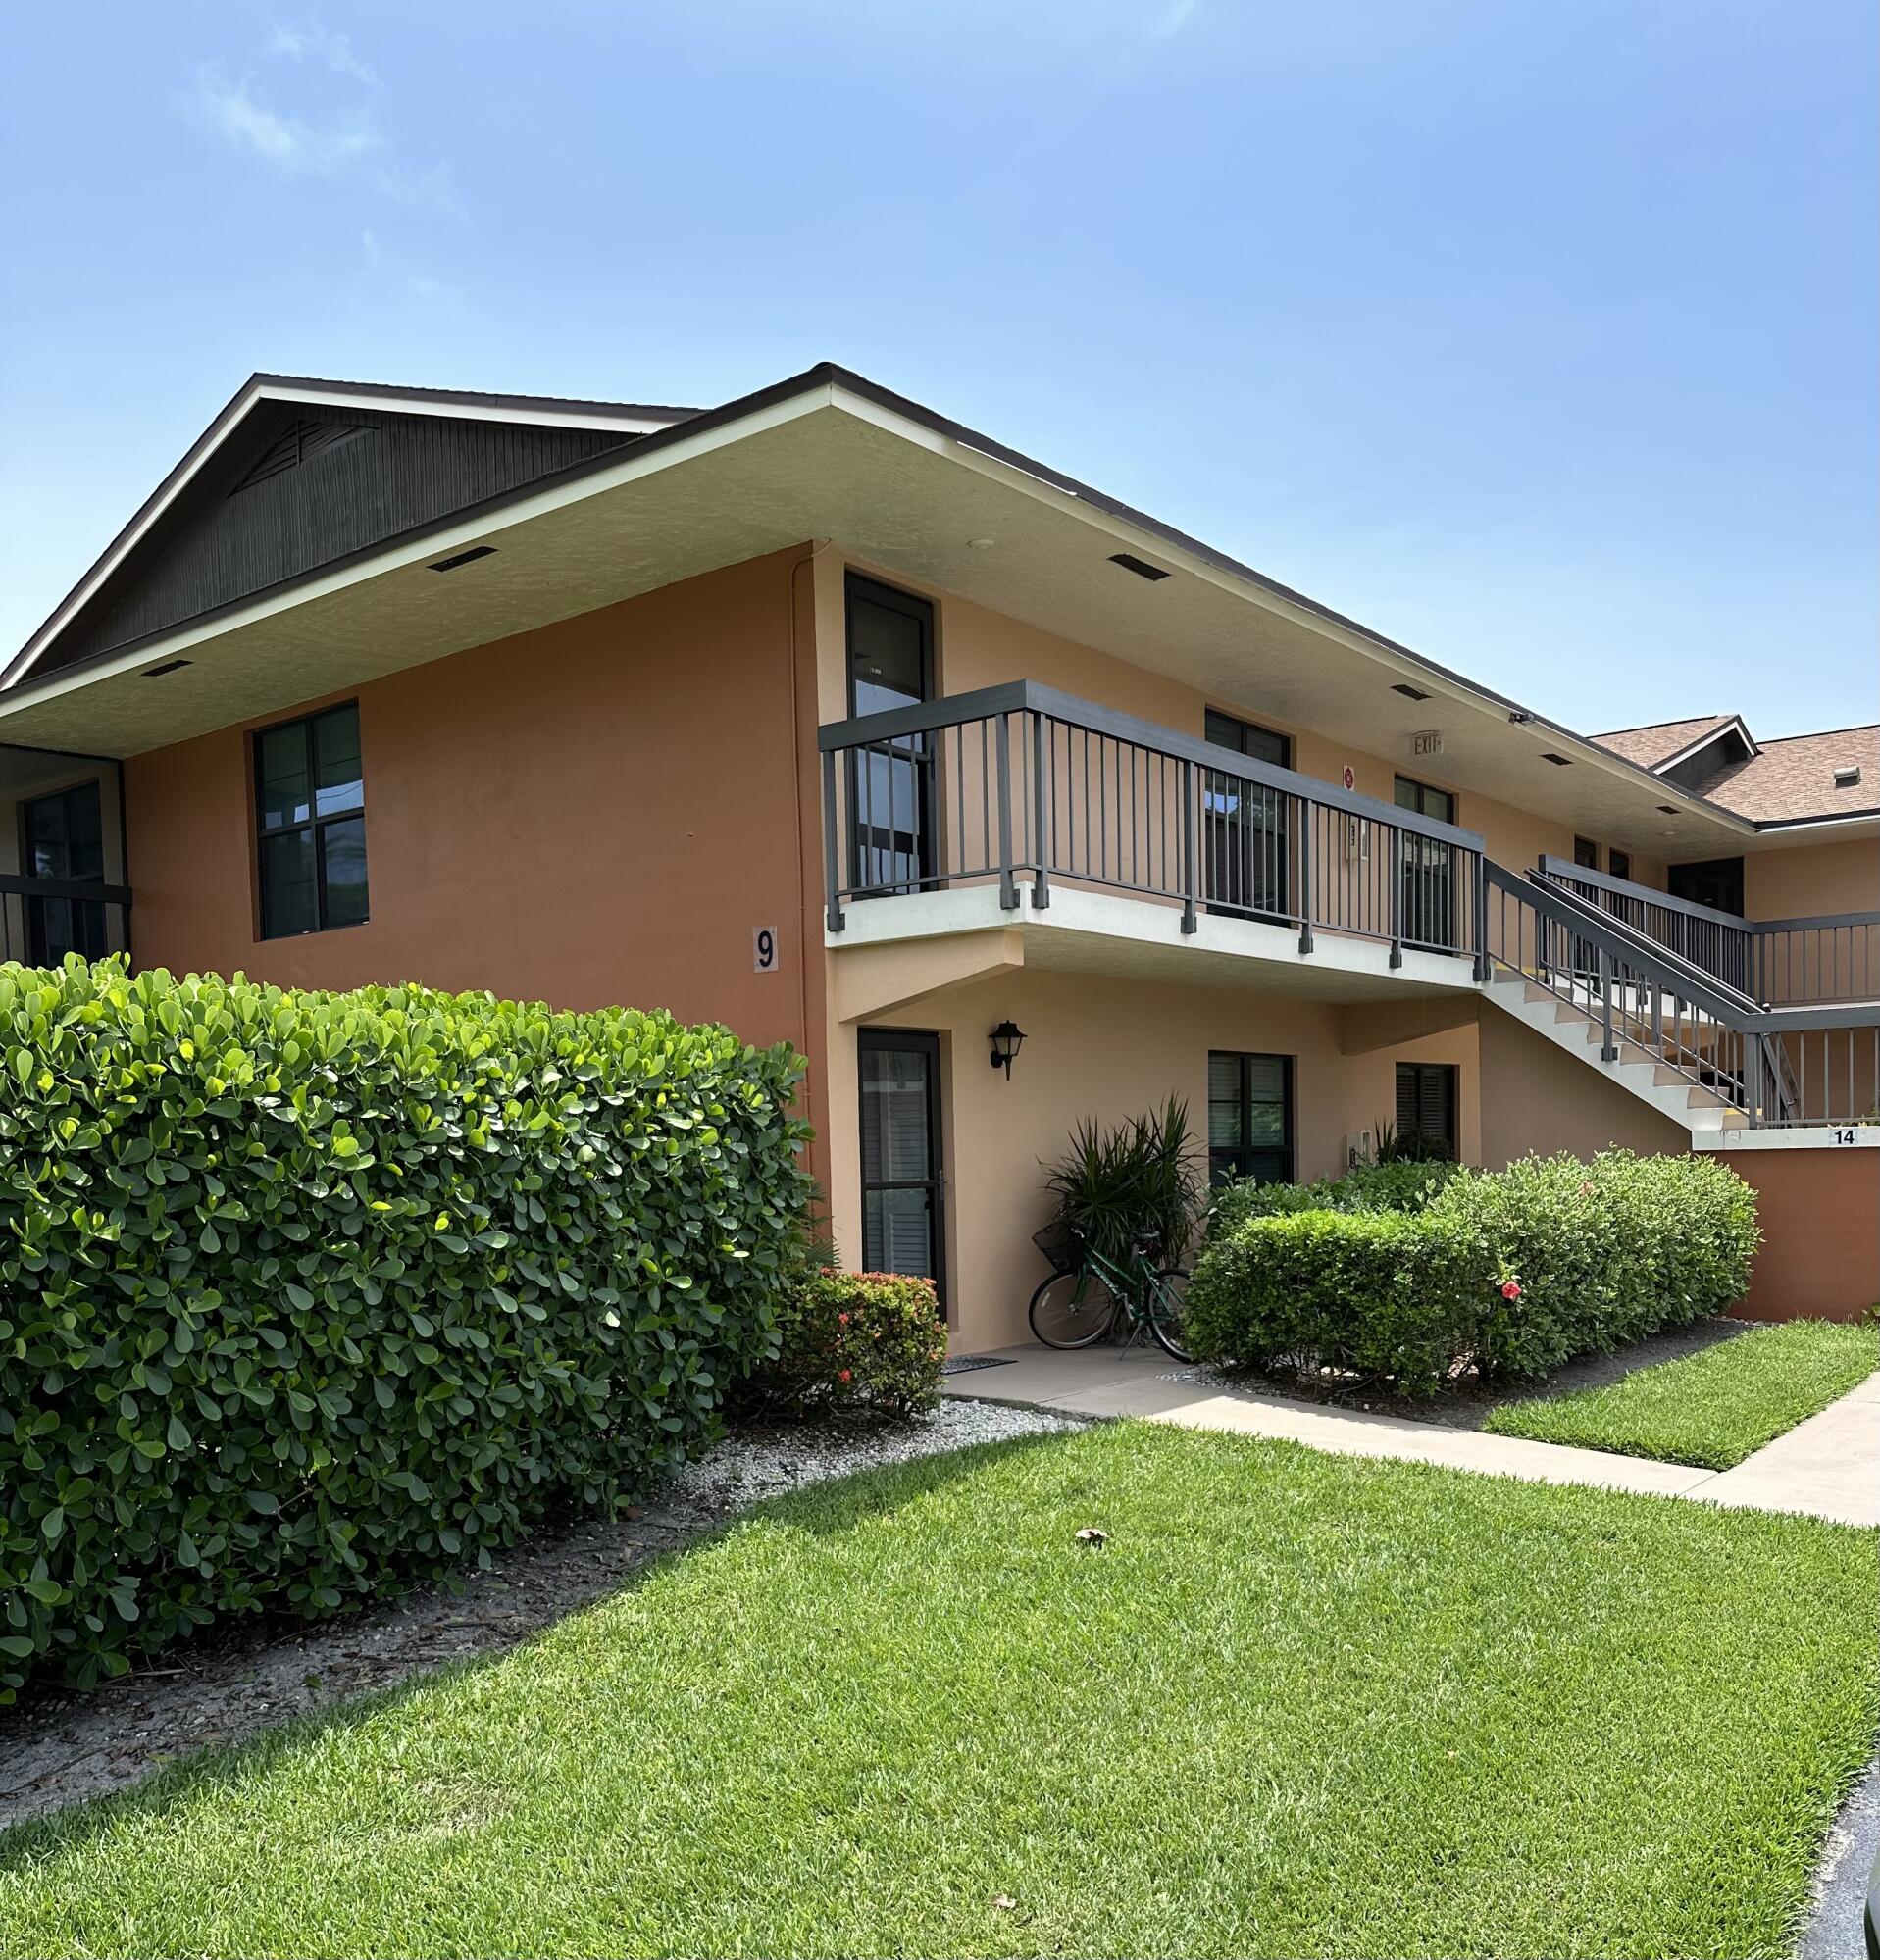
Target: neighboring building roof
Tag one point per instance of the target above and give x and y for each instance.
(1659, 741)
(1787, 780)
(1793, 777)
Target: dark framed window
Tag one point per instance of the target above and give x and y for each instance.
(1428, 915)
(62, 837)
(309, 824)
(1249, 1117)
(1246, 853)
(1425, 799)
(1618, 862)
(1586, 854)
(893, 840)
(1426, 1098)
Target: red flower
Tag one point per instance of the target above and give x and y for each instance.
(841, 1320)
(843, 1375)
(1510, 1290)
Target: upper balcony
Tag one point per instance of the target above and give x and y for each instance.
(1117, 845)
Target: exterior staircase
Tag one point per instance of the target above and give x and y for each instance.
(1635, 1067)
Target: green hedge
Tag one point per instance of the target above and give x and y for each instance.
(304, 1297)
(1367, 1187)
(853, 1340)
(1513, 1270)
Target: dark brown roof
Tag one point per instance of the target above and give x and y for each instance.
(1793, 777)
(1659, 741)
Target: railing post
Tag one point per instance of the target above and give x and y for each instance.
(1482, 968)
(1752, 1077)
(1188, 921)
(831, 847)
(1610, 978)
(1396, 897)
(1008, 885)
(1040, 804)
(1307, 811)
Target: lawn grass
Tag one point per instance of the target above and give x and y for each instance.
(1711, 1409)
(1298, 1704)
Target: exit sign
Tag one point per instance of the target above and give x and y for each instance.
(1428, 741)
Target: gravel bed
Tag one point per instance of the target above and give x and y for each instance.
(62, 1745)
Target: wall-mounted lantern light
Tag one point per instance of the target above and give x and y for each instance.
(1007, 1037)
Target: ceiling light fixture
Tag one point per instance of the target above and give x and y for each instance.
(1140, 567)
(475, 551)
(980, 543)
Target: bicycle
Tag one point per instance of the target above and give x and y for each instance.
(1079, 1304)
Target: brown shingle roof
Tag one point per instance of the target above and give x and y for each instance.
(1659, 741)
(1793, 778)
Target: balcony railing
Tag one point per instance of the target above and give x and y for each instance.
(1023, 787)
(1832, 959)
(43, 918)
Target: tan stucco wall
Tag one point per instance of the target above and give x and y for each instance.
(1538, 1098)
(1810, 881)
(1107, 1048)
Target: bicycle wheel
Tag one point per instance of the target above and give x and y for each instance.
(1167, 1305)
(1072, 1310)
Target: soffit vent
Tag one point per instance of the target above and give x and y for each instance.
(300, 442)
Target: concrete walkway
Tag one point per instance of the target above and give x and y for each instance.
(1828, 1467)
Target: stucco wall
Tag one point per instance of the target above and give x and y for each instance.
(1107, 1048)
(1812, 879)
(1537, 1097)
(1821, 1216)
(596, 813)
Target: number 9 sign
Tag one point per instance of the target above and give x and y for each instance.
(763, 949)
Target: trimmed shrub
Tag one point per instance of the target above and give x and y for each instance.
(853, 1340)
(306, 1296)
(1397, 1187)
(1512, 1272)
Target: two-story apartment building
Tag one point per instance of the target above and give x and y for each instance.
(823, 716)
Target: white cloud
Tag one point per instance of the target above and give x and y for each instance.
(344, 143)
(333, 51)
(300, 148)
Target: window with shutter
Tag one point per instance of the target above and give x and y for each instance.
(1426, 1102)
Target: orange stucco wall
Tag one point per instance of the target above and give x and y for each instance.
(596, 813)
(1538, 1098)
(1821, 1216)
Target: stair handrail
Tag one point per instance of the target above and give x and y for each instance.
(1637, 950)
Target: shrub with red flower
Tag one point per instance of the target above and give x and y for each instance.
(853, 1340)
(1510, 1290)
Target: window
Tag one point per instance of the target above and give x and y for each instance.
(1425, 800)
(1249, 1117)
(309, 824)
(1426, 1104)
(1245, 849)
(1586, 854)
(892, 841)
(1619, 863)
(1427, 909)
(62, 837)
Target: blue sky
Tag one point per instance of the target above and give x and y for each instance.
(1537, 334)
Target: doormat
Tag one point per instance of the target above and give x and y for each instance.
(964, 1364)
